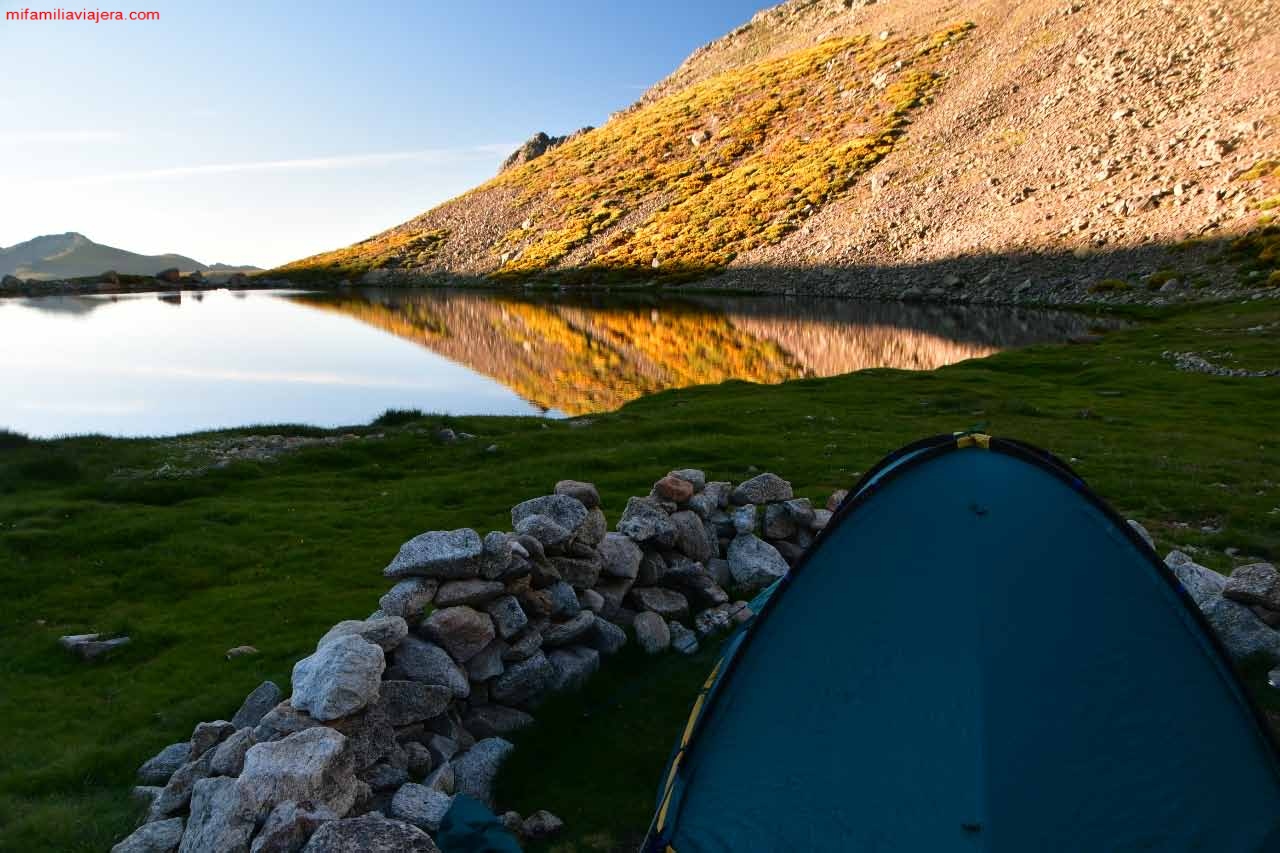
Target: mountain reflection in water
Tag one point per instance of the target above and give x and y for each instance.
(584, 353)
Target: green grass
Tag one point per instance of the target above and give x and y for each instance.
(272, 554)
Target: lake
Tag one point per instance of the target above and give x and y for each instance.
(158, 364)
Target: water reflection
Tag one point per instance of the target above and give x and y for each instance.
(148, 364)
(584, 353)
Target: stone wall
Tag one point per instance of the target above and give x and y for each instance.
(393, 715)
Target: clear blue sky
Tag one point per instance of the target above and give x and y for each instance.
(258, 132)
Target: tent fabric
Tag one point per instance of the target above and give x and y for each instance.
(976, 655)
(471, 827)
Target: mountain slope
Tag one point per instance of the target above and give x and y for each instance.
(72, 255)
(827, 135)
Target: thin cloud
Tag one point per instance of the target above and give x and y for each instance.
(18, 137)
(353, 161)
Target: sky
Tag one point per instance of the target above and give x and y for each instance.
(259, 132)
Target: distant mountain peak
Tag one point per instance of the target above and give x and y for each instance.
(73, 255)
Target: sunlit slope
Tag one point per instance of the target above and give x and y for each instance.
(682, 185)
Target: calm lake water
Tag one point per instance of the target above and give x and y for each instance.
(153, 364)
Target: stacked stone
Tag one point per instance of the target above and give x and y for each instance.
(394, 715)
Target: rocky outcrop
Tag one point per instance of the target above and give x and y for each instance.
(393, 715)
(537, 145)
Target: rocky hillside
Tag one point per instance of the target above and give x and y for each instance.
(921, 144)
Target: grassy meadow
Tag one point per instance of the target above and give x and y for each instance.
(272, 553)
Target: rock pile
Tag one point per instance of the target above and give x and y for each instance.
(1244, 609)
(393, 715)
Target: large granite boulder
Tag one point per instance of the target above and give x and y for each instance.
(754, 563)
(223, 816)
(644, 521)
(260, 700)
(422, 806)
(342, 677)
(761, 489)
(565, 511)
(441, 554)
(158, 769)
(418, 660)
(386, 632)
(523, 681)
(409, 702)
(288, 827)
(313, 766)
(477, 768)
(160, 836)
(409, 598)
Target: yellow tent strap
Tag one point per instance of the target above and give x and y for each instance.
(684, 742)
(974, 439)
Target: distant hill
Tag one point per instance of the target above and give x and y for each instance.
(847, 134)
(72, 255)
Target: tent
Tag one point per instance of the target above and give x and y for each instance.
(977, 654)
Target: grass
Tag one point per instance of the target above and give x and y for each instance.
(272, 554)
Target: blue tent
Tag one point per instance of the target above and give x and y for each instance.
(976, 655)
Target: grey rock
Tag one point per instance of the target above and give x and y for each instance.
(442, 779)
(564, 601)
(744, 519)
(476, 769)
(523, 680)
(621, 556)
(652, 567)
(591, 600)
(222, 818)
(496, 721)
(778, 523)
(145, 795)
(652, 633)
(208, 735)
(821, 518)
(313, 765)
(692, 476)
(763, 488)
(713, 620)
(1204, 585)
(473, 592)
(507, 615)
(228, 758)
(573, 667)
(586, 493)
(754, 563)
(567, 632)
(262, 699)
(1241, 631)
(593, 529)
(789, 551)
(1257, 583)
(487, 664)
(837, 497)
(683, 640)
(604, 636)
(644, 521)
(523, 646)
(565, 511)
(581, 571)
(418, 758)
(667, 603)
(442, 554)
(499, 552)
(442, 748)
(544, 529)
(801, 512)
(384, 776)
(541, 825)
(409, 702)
(409, 598)
(692, 538)
(461, 631)
(340, 678)
(421, 806)
(161, 836)
(176, 795)
(157, 769)
(386, 632)
(613, 592)
(282, 720)
(1142, 531)
(718, 569)
(288, 827)
(370, 833)
(91, 646)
